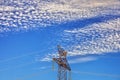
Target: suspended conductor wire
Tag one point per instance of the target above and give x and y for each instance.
(15, 67)
(18, 57)
(92, 73)
(97, 74)
(33, 75)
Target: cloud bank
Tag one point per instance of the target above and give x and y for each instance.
(17, 15)
(96, 38)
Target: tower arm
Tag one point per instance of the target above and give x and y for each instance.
(62, 63)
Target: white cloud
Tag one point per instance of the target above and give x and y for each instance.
(6, 8)
(16, 16)
(47, 57)
(42, 68)
(98, 38)
(82, 60)
(94, 39)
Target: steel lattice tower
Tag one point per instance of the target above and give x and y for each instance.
(63, 65)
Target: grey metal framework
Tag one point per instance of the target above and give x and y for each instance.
(63, 65)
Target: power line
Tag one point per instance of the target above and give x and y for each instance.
(17, 57)
(32, 75)
(19, 66)
(97, 74)
(77, 72)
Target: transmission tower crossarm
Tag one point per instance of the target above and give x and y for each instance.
(61, 63)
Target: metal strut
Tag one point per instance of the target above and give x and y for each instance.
(63, 65)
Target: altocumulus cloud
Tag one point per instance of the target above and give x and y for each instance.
(17, 15)
(96, 38)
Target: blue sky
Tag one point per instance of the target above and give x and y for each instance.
(88, 30)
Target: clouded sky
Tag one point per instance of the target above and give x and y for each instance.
(89, 30)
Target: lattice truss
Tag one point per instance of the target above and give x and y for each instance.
(63, 65)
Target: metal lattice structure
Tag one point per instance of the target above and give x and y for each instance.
(63, 65)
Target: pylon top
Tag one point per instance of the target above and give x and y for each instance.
(62, 61)
(61, 51)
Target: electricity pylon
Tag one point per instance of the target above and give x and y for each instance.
(63, 65)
